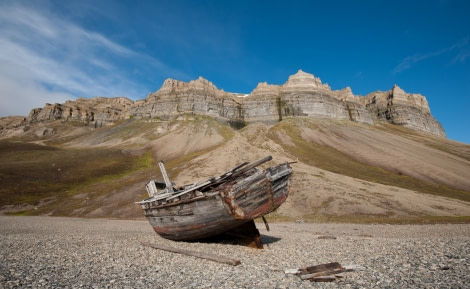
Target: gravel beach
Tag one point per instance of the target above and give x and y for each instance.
(52, 252)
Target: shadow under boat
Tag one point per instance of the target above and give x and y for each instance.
(243, 236)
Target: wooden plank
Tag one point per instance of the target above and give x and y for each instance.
(212, 181)
(253, 165)
(279, 175)
(327, 237)
(189, 190)
(324, 279)
(323, 267)
(291, 271)
(201, 255)
(239, 167)
(321, 273)
(151, 188)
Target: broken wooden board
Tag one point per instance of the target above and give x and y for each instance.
(322, 273)
(201, 255)
(327, 237)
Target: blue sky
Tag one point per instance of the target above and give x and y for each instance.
(53, 51)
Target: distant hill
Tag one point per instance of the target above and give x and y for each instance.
(381, 157)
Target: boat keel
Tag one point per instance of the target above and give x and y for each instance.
(247, 234)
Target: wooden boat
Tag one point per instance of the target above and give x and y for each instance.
(228, 203)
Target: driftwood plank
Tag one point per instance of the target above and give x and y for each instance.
(201, 255)
(321, 273)
(323, 267)
(327, 237)
(324, 279)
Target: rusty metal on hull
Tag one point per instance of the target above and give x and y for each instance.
(218, 205)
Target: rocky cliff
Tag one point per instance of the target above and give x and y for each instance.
(198, 97)
(406, 109)
(302, 95)
(98, 111)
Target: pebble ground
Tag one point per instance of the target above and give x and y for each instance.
(52, 252)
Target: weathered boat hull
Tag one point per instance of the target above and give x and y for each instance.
(227, 205)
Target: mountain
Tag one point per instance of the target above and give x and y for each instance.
(380, 157)
(302, 95)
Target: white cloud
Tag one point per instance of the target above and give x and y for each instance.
(44, 58)
(358, 75)
(19, 97)
(462, 56)
(409, 61)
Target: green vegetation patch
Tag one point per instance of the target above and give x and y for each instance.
(30, 173)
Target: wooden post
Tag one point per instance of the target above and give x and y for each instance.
(169, 185)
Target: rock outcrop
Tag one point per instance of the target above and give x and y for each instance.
(98, 111)
(198, 97)
(406, 109)
(302, 95)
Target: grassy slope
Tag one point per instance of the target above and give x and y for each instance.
(32, 172)
(76, 181)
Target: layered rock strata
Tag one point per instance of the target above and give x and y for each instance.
(198, 97)
(302, 95)
(98, 111)
(406, 109)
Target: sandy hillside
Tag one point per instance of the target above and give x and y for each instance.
(200, 148)
(318, 192)
(394, 153)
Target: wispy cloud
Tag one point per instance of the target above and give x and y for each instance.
(44, 58)
(461, 56)
(358, 75)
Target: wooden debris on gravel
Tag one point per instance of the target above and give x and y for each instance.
(328, 272)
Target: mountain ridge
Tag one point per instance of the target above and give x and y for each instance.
(302, 95)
